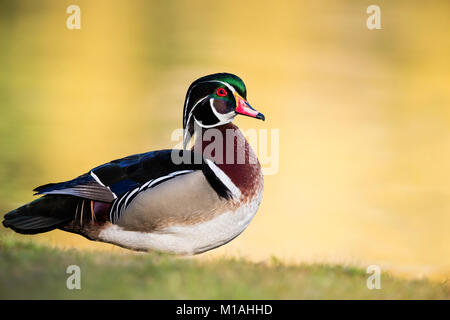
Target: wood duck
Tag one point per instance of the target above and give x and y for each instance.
(177, 201)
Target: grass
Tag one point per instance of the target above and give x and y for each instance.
(32, 271)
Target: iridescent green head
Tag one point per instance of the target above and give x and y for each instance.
(215, 100)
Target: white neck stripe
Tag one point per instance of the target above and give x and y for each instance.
(224, 179)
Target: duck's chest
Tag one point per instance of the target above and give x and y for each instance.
(218, 231)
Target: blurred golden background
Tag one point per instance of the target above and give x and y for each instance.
(364, 116)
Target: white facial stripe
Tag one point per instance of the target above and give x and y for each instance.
(189, 118)
(223, 117)
(193, 108)
(206, 126)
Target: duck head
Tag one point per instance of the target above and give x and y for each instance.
(215, 100)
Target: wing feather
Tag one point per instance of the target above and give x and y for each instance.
(113, 180)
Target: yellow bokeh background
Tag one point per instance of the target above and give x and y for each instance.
(363, 115)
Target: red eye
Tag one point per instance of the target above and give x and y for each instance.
(221, 92)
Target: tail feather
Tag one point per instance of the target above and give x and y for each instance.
(42, 215)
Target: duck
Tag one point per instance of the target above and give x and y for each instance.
(182, 201)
